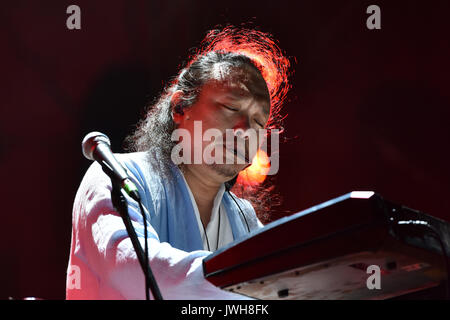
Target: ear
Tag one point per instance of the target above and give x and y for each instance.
(174, 102)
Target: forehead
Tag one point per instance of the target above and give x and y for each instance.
(239, 83)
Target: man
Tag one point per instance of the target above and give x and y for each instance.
(189, 206)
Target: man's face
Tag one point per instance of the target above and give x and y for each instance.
(228, 104)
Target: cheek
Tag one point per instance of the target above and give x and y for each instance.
(210, 115)
(216, 119)
(201, 112)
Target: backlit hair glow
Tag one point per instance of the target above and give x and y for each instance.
(267, 56)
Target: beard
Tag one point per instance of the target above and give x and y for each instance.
(226, 170)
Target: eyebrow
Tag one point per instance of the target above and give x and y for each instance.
(238, 93)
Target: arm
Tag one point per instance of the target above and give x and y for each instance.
(110, 255)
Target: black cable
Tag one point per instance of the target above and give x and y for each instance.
(441, 243)
(147, 263)
(206, 236)
(218, 231)
(120, 204)
(240, 210)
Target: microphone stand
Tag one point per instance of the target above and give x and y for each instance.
(120, 204)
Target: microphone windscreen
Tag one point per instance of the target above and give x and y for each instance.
(91, 141)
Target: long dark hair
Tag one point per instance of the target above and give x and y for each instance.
(229, 46)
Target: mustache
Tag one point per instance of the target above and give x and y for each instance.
(241, 154)
(241, 148)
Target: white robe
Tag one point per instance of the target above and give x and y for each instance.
(103, 264)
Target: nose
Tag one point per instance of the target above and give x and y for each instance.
(246, 139)
(242, 124)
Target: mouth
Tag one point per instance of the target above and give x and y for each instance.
(238, 154)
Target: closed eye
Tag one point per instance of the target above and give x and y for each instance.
(259, 124)
(229, 108)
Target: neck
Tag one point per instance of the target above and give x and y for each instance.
(204, 191)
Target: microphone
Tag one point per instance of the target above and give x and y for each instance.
(96, 146)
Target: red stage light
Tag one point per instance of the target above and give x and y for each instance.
(266, 55)
(256, 173)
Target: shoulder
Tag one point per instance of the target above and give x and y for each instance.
(96, 185)
(93, 203)
(136, 163)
